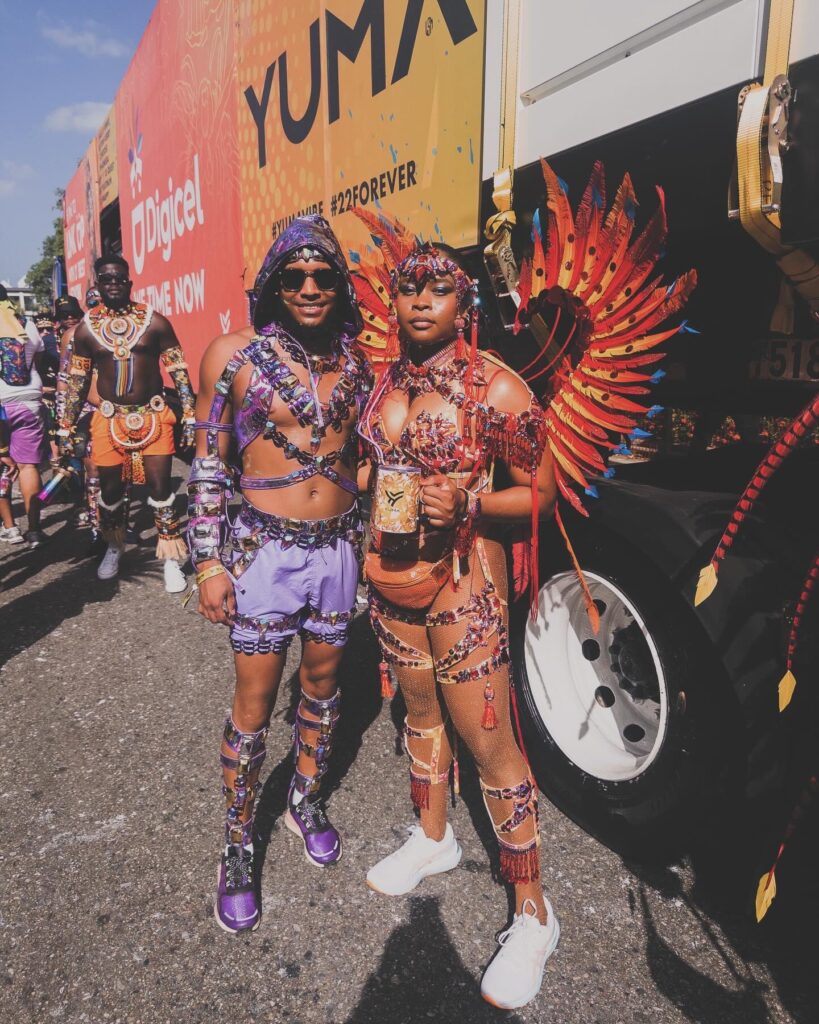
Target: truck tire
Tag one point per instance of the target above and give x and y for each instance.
(635, 732)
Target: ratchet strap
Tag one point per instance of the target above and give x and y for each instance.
(762, 136)
(498, 256)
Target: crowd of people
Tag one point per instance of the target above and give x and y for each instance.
(292, 420)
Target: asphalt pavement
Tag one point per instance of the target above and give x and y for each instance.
(113, 701)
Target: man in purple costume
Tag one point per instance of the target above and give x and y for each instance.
(290, 389)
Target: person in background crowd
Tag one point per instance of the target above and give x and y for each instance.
(8, 469)
(21, 395)
(92, 298)
(132, 430)
(49, 368)
(69, 315)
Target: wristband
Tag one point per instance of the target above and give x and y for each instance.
(206, 574)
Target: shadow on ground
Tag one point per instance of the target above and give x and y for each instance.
(422, 977)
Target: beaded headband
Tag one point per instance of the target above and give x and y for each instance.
(427, 263)
(306, 253)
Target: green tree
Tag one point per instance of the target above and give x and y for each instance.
(39, 274)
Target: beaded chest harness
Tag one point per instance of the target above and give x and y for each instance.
(119, 331)
(273, 376)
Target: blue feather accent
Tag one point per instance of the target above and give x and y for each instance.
(655, 410)
(639, 432)
(631, 209)
(621, 449)
(686, 328)
(592, 492)
(536, 225)
(355, 257)
(597, 198)
(609, 473)
(657, 376)
(563, 185)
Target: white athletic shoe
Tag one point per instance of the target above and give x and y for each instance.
(11, 534)
(400, 872)
(515, 975)
(175, 581)
(109, 566)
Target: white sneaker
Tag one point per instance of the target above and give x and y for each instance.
(515, 975)
(175, 581)
(420, 856)
(11, 534)
(109, 566)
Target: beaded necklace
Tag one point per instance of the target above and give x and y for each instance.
(119, 331)
(316, 364)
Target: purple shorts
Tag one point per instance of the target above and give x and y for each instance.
(293, 577)
(27, 433)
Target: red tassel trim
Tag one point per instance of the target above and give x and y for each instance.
(469, 377)
(419, 793)
(392, 349)
(386, 681)
(519, 866)
(490, 719)
(460, 344)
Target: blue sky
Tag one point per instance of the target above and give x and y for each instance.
(60, 64)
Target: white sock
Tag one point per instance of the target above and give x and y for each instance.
(297, 797)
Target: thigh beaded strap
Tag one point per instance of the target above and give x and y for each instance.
(519, 862)
(422, 774)
(327, 715)
(485, 612)
(249, 748)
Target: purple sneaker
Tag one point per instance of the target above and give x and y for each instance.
(322, 843)
(236, 907)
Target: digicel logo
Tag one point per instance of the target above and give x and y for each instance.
(348, 40)
(157, 221)
(74, 232)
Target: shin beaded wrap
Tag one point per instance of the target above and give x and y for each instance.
(324, 725)
(424, 774)
(169, 542)
(519, 862)
(249, 750)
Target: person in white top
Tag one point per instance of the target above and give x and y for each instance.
(21, 395)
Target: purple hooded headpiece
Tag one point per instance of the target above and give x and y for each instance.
(314, 233)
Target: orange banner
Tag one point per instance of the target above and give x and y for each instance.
(81, 219)
(360, 103)
(178, 171)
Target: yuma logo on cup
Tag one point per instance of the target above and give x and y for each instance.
(157, 222)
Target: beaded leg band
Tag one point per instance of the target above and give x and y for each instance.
(92, 499)
(112, 522)
(519, 862)
(324, 725)
(169, 542)
(249, 750)
(425, 774)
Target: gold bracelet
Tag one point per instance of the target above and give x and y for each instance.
(206, 574)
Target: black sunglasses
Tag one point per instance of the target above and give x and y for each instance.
(112, 279)
(292, 279)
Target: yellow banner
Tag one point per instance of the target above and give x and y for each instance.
(107, 160)
(373, 103)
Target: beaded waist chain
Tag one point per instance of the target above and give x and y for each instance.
(309, 534)
(109, 409)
